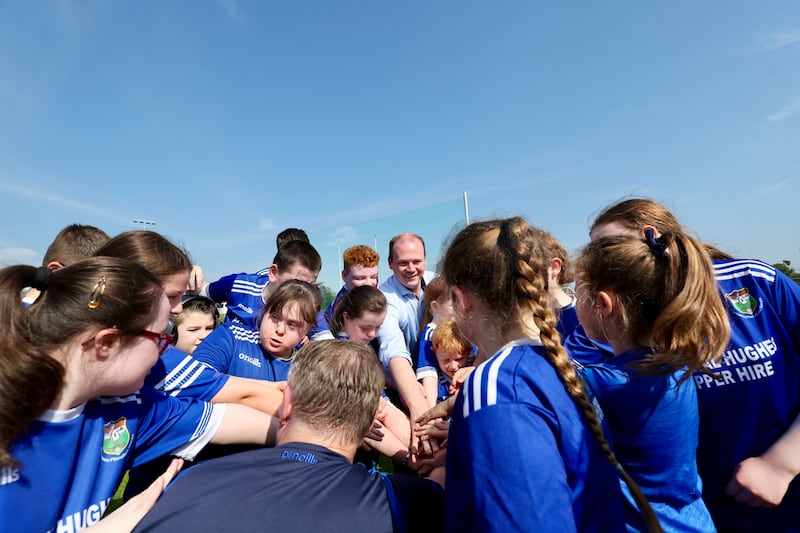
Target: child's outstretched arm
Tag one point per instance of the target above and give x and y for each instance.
(763, 481)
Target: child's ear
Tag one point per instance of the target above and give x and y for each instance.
(104, 342)
(286, 406)
(464, 302)
(273, 273)
(434, 307)
(606, 303)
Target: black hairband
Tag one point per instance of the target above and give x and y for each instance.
(42, 278)
(656, 244)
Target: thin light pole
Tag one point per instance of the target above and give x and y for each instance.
(466, 208)
(144, 223)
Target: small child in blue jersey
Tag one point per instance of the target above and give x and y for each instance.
(437, 307)
(453, 352)
(265, 353)
(197, 320)
(654, 299)
(85, 347)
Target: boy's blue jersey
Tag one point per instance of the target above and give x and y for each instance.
(244, 294)
(177, 373)
(72, 461)
(236, 350)
(653, 425)
(756, 397)
(520, 456)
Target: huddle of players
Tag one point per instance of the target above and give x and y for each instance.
(652, 325)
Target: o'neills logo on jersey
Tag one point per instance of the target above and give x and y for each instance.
(743, 302)
(309, 458)
(116, 437)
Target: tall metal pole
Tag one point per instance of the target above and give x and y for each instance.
(466, 208)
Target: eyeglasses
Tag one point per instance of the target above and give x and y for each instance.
(163, 340)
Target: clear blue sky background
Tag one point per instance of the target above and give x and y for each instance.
(226, 121)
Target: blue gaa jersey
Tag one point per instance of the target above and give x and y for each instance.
(236, 350)
(72, 461)
(583, 350)
(653, 424)
(178, 373)
(520, 456)
(332, 306)
(567, 319)
(427, 365)
(756, 396)
(244, 294)
(294, 486)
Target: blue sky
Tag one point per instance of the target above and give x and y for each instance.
(226, 121)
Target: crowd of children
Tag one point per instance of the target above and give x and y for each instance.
(660, 395)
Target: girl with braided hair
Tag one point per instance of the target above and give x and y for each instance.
(525, 451)
(653, 298)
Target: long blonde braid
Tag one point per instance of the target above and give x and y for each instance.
(531, 289)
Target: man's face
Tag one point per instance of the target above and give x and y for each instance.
(358, 275)
(407, 262)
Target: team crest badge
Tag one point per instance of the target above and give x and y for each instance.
(743, 302)
(116, 436)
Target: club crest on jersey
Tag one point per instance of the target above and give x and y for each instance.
(116, 437)
(743, 302)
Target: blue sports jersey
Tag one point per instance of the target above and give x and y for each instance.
(177, 373)
(567, 320)
(653, 425)
(72, 461)
(756, 396)
(520, 456)
(295, 487)
(584, 350)
(332, 306)
(236, 350)
(243, 293)
(427, 364)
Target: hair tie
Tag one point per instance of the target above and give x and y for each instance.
(42, 278)
(657, 245)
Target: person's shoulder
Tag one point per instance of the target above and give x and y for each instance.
(732, 269)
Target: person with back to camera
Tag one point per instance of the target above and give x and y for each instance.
(85, 347)
(522, 424)
(307, 482)
(655, 301)
(748, 452)
(73, 243)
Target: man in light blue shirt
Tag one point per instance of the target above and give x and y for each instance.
(399, 333)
